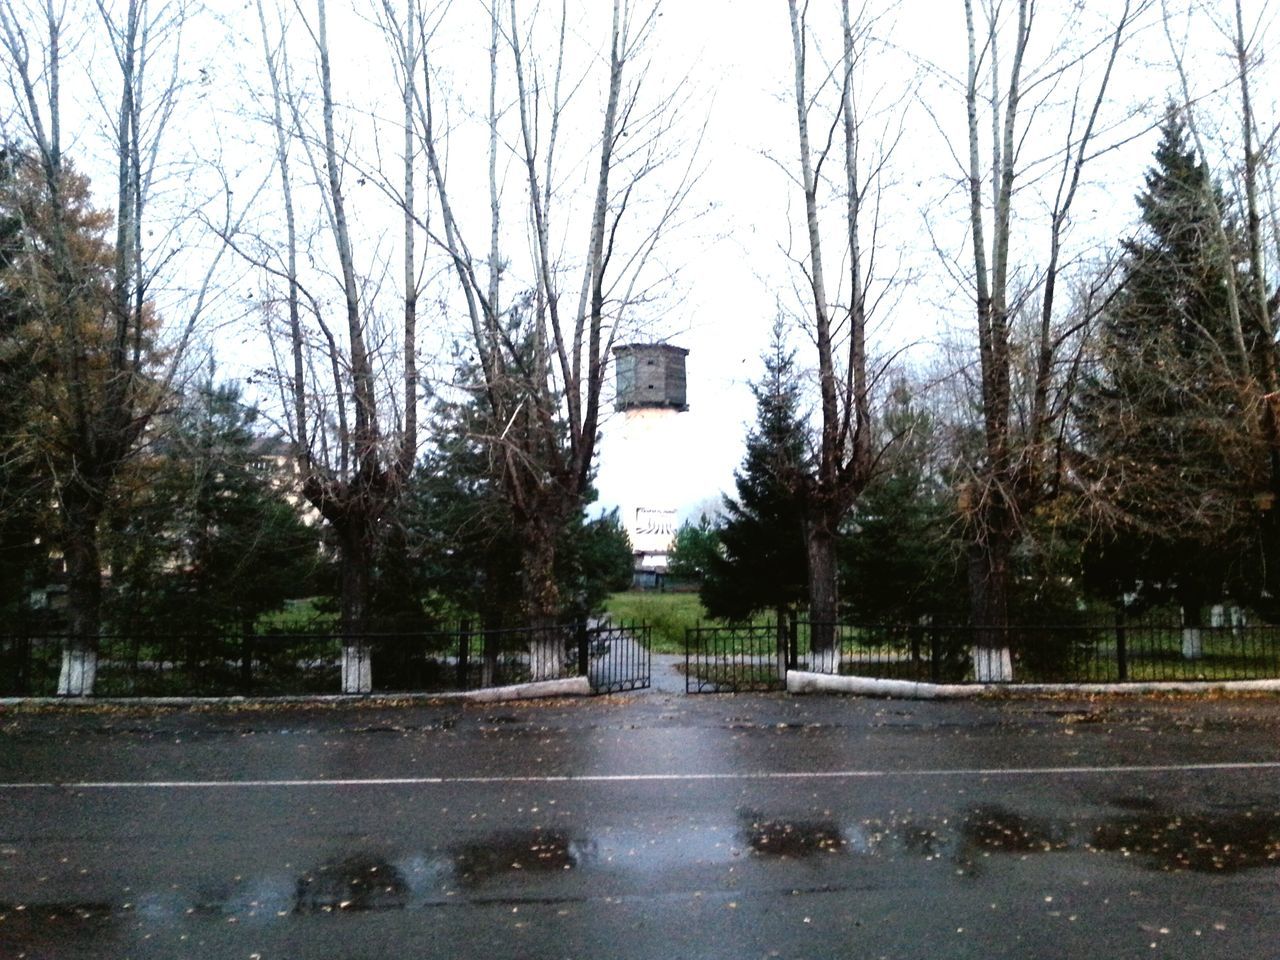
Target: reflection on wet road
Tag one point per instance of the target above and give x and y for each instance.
(1075, 864)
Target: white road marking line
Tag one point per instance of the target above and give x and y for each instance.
(647, 777)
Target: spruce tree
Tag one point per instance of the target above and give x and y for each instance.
(762, 563)
(207, 538)
(1172, 453)
(897, 560)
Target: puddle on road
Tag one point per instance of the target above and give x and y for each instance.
(506, 865)
(997, 830)
(354, 883)
(1203, 844)
(792, 840)
(53, 912)
(506, 853)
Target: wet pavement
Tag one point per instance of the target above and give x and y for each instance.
(653, 825)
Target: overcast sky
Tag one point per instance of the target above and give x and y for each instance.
(733, 255)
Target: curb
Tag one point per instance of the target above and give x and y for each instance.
(802, 682)
(569, 687)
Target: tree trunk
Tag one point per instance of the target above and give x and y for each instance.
(781, 634)
(491, 623)
(541, 599)
(1192, 638)
(84, 599)
(989, 604)
(357, 670)
(821, 548)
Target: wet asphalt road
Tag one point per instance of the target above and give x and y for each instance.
(646, 826)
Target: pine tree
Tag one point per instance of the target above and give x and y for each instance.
(1171, 449)
(897, 563)
(762, 564)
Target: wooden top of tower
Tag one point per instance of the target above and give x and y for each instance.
(650, 376)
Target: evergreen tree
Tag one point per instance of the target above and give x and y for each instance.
(463, 543)
(696, 548)
(208, 538)
(762, 563)
(898, 562)
(1171, 449)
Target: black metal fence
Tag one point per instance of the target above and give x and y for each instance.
(738, 658)
(756, 657)
(223, 664)
(1117, 652)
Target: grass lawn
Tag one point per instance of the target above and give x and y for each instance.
(669, 614)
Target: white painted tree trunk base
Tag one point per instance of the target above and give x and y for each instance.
(546, 657)
(1192, 643)
(826, 660)
(992, 664)
(79, 672)
(357, 669)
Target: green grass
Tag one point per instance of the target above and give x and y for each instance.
(297, 616)
(669, 614)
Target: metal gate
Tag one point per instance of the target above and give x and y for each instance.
(740, 658)
(615, 657)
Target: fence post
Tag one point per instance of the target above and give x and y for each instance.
(782, 646)
(793, 640)
(1122, 652)
(246, 661)
(584, 654)
(935, 656)
(464, 653)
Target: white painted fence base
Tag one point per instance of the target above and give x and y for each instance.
(802, 681)
(78, 673)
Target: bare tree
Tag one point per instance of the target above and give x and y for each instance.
(350, 384)
(840, 311)
(541, 356)
(1018, 469)
(113, 366)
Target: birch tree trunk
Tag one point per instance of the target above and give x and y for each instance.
(843, 461)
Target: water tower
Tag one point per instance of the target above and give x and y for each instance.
(650, 395)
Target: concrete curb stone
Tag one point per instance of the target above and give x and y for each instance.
(803, 682)
(569, 687)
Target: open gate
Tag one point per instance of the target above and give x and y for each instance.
(615, 658)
